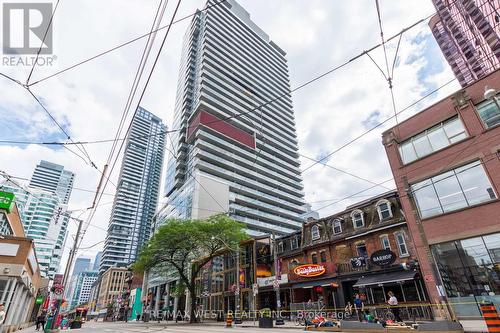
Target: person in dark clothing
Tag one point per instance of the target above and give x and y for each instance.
(40, 321)
(393, 302)
(359, 306)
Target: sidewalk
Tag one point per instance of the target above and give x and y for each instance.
(474, 326)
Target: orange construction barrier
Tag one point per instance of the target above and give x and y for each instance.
(491, 318)
(229, 320)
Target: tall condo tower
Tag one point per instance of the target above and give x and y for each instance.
(45, 221)
(53, 178)
(468, 33)
(137, 191)
(237, 150)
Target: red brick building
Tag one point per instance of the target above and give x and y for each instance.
(446, 164)
(346, 246)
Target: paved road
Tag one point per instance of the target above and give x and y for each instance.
(132, 327)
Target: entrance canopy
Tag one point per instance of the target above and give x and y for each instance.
(316, 283)
(385, 278)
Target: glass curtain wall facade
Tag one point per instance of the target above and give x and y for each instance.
(44, 220)
(229, 67)
(470, 270)
(468, 33)
(137, 191)
(53, 178)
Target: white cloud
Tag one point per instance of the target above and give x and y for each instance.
(317, 35)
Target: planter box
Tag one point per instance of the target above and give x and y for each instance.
(75, 325)
(265, 322)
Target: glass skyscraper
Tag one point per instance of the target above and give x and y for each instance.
(45, 221)
(468, 33)
(53, 178)
(244, 165)
(137, 191)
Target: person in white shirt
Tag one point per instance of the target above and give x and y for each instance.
(393, 302)
(2, 315)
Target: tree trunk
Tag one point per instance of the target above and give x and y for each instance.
(193, 313)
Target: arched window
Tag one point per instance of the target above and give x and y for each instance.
(280, 247)
(322, 255)
(358, 220)
(384, 209)
(315, 232)
(337, 227)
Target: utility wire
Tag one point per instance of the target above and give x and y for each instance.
(91, 216)
(125, 44)
(378, 125)
(237, 115)
(41, 44)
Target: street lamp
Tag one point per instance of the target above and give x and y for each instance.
(490, 94)
(237, 291)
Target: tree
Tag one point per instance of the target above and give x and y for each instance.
(187, 245)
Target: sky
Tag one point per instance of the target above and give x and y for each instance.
(317, 35)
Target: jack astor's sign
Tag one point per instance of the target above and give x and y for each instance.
(383, 257)
(309, 270)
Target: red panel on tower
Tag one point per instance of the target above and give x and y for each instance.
(221, 126)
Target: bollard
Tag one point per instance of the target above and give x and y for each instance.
(491, 318)
(229, 321)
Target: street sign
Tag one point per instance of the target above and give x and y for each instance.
(6, 201)
(276, 284)
(255, 289)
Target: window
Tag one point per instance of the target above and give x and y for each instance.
(431, 140)
(294, 243)
(400, 240)
(280, 247)
(489, 112)
(462, 187)
(361, 249)
(384, 209)
(323, 256)
(384, 240)
(315, 232)
(357, 219)
(314, 258)
(337, 227)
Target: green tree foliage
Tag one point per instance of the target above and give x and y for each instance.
(187, 245)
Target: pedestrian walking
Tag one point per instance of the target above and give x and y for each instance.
(348, 309)
(393, 302)
(2, 315)
(359, 306)
(40, 321)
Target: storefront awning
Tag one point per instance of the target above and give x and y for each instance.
(310, 284)
(385, 278)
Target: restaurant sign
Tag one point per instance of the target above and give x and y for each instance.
(6, 201)
(270, 281)
(309, 270)
(383, 257)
